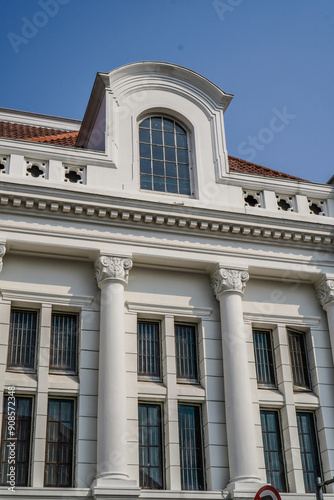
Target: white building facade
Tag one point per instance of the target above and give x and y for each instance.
(166, 311)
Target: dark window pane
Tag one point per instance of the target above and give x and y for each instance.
(272, 448)
(22, 339)
(168, 125)
(148, 334)
(156, 137)
(146, 182)
(64, 339)
(308, 450)
(169, 139)
(264, 358)
(169, 154)
(145, 166)
(156, 123)
(298, 359)
(186, 352)
(150, 446)
(171, 170)
(161, 134)
(157, 152)
(144, 135)
(181, 141)
(183, 171)
(184, 187)
(179, 129)
(145, 123)
(145, 151)
(171, 185)
(20, 434)
(159, 183)
(158, 167)
(59, 443)
(191, 453)
(182, 156)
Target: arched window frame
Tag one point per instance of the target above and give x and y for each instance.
(178, 122)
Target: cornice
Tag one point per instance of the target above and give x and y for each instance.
(38, 150)
(81, 301)
(113, 211)
(143, 307)
(288, 186)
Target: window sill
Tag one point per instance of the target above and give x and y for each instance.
(150, 388)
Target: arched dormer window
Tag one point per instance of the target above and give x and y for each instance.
(164, 156)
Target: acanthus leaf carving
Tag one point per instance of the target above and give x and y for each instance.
(325, 292)
(109, 268)
(229, 280)
(2, 254)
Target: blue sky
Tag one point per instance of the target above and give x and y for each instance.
(275, 56)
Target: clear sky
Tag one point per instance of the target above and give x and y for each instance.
(275, 56)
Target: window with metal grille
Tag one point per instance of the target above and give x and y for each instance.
(59, 443)
(300, 372)
(150, 446)
(16, 411)
(272, 448)
(191, 448)
(186, 352)
(164, 158)
(64, 341)
(264, 359)
(308, 449)
(149, 349)
(22, 339)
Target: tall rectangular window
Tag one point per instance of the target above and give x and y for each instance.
(264, 359)
(186, 352)
(64, 341)
(300, 372)
(22, 339)
(17, 411)
(308, 449)
(149, 349)
(272, 447)
(59, 443)
(191, 448)
(150, 446)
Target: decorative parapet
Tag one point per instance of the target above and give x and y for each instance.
(325, 292)
(229, 280)
(112, 269)
(2, 254)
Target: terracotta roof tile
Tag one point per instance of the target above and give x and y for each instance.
(68, 139)
(239, 165)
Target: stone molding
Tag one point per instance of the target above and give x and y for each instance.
(115, 214)
(2, 254)
(229, 280)
(325, 292)
(108, 268)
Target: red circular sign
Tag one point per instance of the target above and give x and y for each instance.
(267, 493)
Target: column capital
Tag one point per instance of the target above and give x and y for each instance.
(2, 254)
(325, 292)
(109, 268)
(228, 280)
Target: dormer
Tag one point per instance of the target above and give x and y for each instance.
(160, 124)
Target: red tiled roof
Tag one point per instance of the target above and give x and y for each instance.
(246, 167)
(68, 139)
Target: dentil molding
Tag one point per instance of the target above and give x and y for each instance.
(229, 280)
(109, 268)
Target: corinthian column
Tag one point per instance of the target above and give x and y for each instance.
(325, 294)
(228, 286)
(2, 254)
(112, 275)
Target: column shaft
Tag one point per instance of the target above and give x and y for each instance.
(228, 286)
